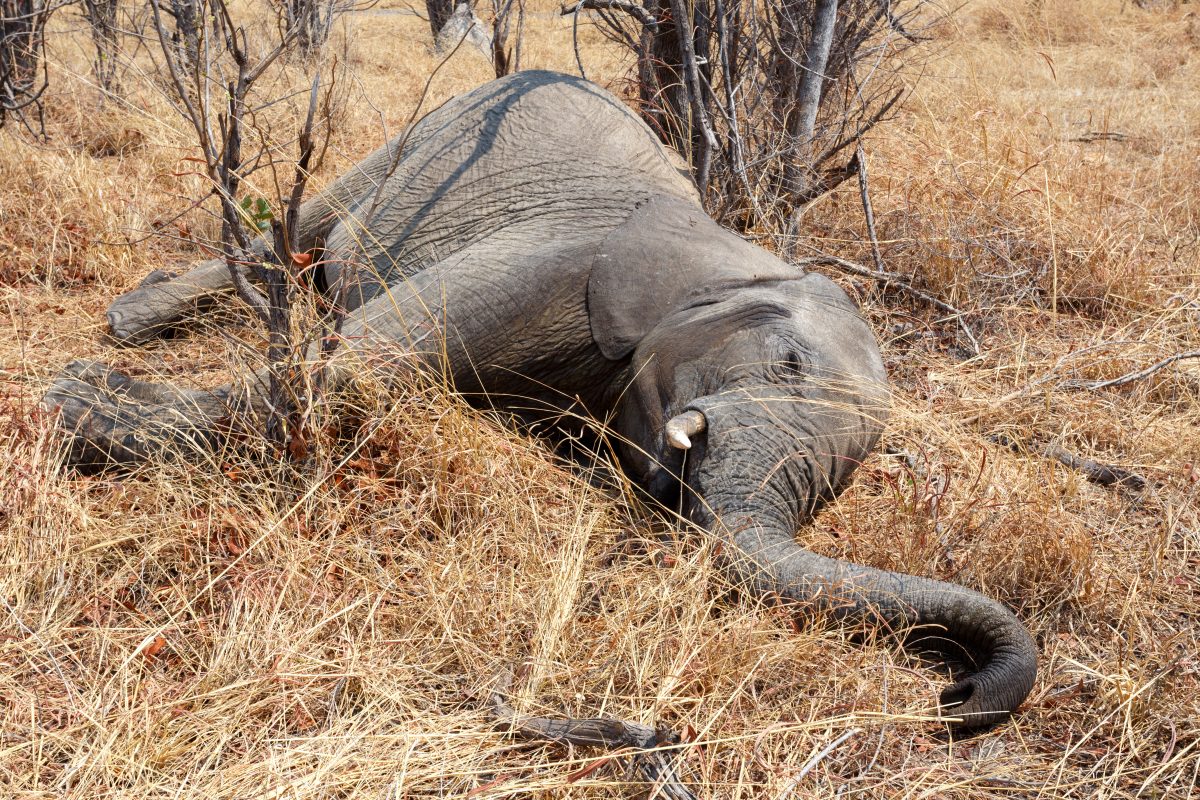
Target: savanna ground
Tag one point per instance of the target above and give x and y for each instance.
(235, 629)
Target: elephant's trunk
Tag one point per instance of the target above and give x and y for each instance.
(987, 635)
(754, 485)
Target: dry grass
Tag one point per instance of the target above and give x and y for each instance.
(234, 630)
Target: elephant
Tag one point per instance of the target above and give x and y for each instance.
(535, 243)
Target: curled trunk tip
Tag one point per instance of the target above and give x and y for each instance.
(773, 563)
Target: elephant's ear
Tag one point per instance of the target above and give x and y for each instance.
(668, 254)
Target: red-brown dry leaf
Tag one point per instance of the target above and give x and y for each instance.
(97, 610)
(493, 783)
(297, 445)
(588, 770)
(155, 647)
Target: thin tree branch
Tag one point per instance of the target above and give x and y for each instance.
(1130, 377)
(885, 11)
(862, 127)
(893, 279)
(861, 158)
(632, 9)
(575, 39)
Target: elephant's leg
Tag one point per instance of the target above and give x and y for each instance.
(500, 317)
(112, 418)
(163, 301)
(481, 320)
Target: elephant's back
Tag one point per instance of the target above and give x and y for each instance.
(541, 125)
(536, 153)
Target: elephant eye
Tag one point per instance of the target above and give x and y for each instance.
(791, 366)
(791, 363)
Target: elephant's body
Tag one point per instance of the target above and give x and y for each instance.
(534, 238)
(535, 159)
(521, 177)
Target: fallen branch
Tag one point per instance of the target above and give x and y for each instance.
(1101, 136)
(1095, 472)
(650, 758)
(1130, 377)
(893, 279)
(1037, 383)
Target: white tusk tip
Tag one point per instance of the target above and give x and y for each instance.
(683, 427)
(679, 440)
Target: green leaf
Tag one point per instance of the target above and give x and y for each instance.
(257, 212)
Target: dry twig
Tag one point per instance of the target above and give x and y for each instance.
(1101, 136)
(1130, 377)
(860, 160)
(817, 759)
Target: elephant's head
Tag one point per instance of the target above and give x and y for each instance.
(761, 400)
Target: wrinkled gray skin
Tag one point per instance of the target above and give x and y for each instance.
(538, 242)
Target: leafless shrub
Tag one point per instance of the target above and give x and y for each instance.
(213, 82)
(23, 73)
(312, 21)
(765, 98)
(505, 56)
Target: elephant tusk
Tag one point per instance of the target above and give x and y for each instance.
(682, 427)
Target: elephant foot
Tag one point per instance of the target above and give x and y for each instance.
(146, 312)
(163, 301)
(112, 419)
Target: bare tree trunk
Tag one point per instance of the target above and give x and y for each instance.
(662, 93)
(439, 12)
(23, 72)
(312, 20)
(101, 16)
(798, 173)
